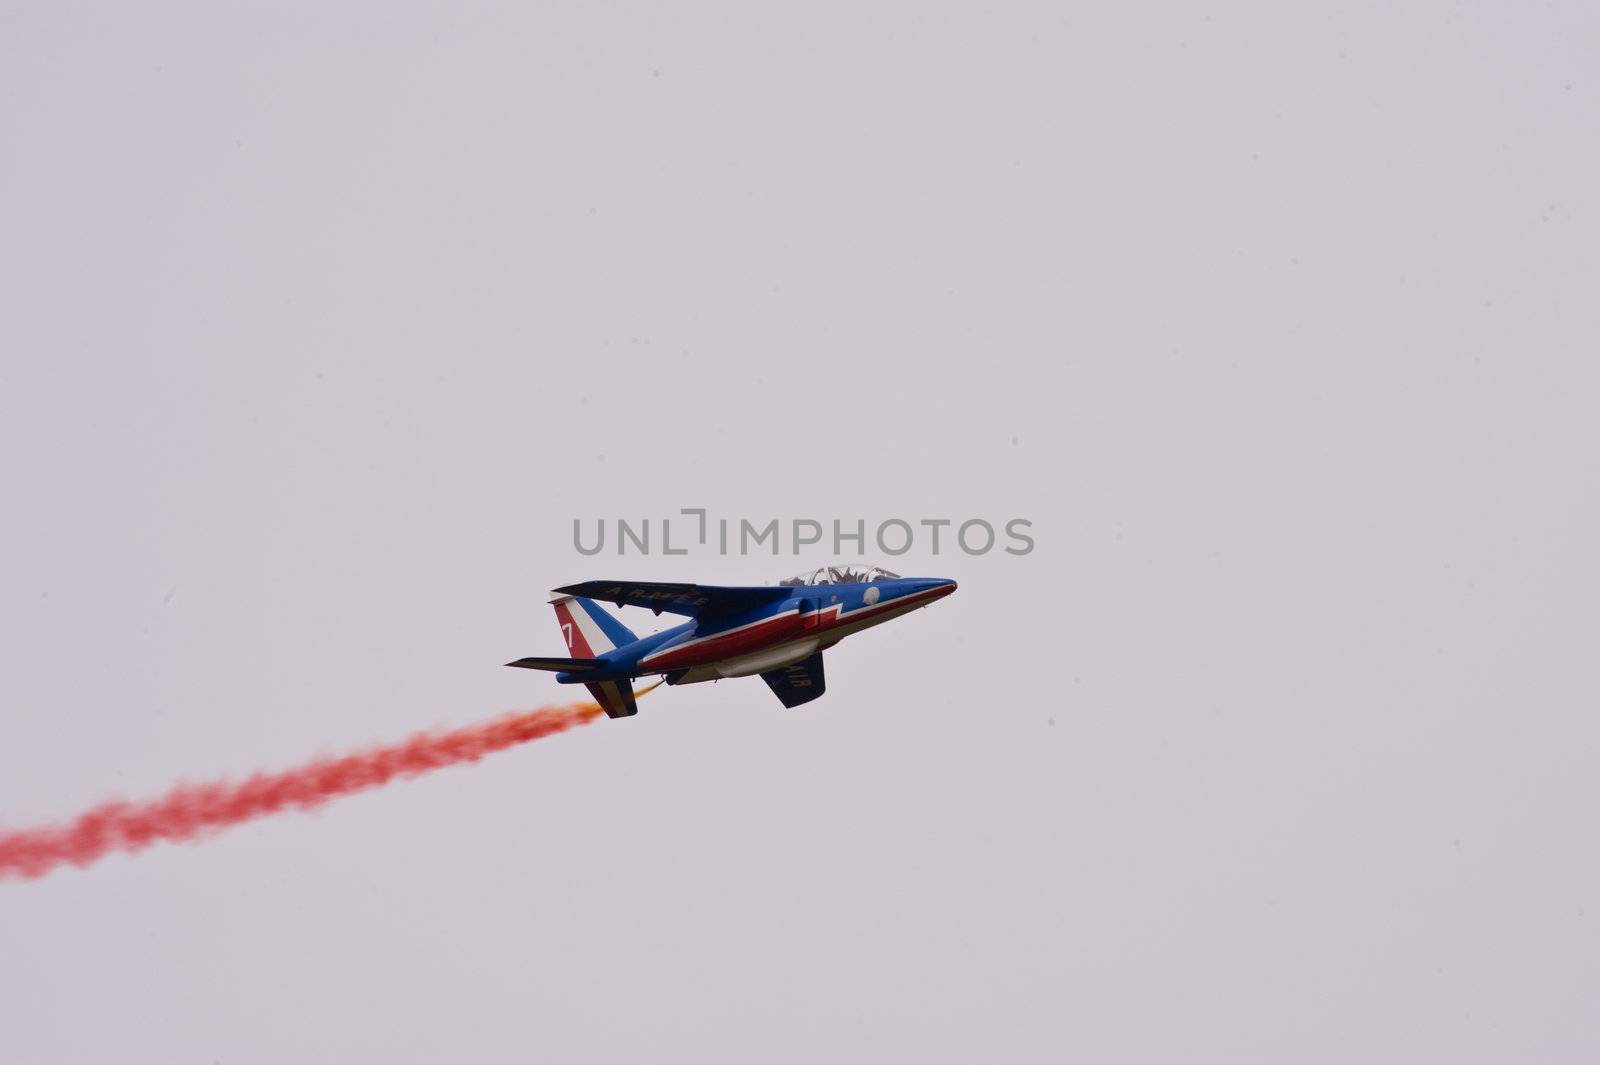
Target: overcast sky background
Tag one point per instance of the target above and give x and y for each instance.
(320, 328)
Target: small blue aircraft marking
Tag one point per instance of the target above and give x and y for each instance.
(776, 631)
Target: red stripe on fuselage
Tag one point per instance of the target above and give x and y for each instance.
(716, 646)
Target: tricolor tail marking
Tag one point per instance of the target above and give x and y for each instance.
(588, 630)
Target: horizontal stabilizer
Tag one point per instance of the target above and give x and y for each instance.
(558, 665)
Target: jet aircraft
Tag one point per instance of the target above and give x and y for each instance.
(778, 631)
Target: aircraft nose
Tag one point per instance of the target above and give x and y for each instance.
(938, 586)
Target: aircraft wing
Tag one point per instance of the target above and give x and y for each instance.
(799, 683)
(690, 600)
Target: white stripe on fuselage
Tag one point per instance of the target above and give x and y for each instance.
(863, 618)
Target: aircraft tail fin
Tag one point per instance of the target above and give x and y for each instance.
(588, 629)
(590, 632)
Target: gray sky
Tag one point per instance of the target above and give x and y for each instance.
(1279, 324)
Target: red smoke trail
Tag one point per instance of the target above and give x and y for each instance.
(192, 810)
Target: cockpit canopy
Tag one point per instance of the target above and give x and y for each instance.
(843, 575)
